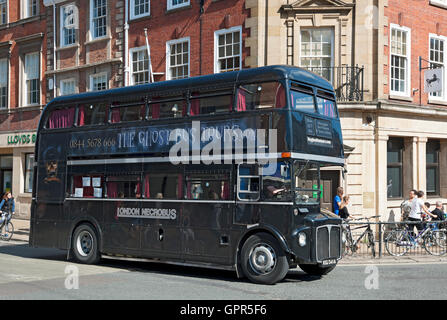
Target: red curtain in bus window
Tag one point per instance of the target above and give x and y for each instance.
(147, 193)
(188, 191)
(241, 101)
(280, 97)
(155, 110)
(112, 190)
(225, 191)
(81, 116)
(180, 186)
(116, 115)
(61, 118)
(195, 105)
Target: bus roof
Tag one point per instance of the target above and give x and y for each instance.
(276, 72)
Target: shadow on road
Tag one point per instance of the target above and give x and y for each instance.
(25, 251)
(171, 269)
(296, 275)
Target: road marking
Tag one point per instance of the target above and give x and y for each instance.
(390, 263)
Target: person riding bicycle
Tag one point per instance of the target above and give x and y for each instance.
(7, 208)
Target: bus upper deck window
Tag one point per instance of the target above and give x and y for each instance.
(302, 101)
(326, 107)
(261, 96)
(211, 102)
(168, 109)
(61, 118)
(92, 114)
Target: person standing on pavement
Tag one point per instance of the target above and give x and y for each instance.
(7, 209)
(338, 200)
(417, 209)
(344, 213)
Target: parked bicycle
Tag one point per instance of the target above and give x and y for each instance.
(6, 227)
(351, 245)
(434, 240)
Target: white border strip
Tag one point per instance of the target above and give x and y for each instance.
(193, 159)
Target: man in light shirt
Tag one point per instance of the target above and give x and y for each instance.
(417, 208)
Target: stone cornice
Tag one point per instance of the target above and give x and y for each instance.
(387, 106)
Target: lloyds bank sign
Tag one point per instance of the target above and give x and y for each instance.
(21, 139)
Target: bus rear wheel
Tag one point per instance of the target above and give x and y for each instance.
(85, 245)
(263, 260)
(315, 269)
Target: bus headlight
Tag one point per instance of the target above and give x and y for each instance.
(302, 239)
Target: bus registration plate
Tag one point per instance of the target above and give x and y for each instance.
(329, 262)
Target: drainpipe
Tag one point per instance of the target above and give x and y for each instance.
(54, 48)
(126, 44)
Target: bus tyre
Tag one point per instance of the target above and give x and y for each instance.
(85, 245)
(315, 269)
(263, 260)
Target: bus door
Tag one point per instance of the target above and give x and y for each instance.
(48, 213)
(162, 210)
(207, 213)
(122, 209)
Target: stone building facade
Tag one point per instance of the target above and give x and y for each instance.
(394, 132)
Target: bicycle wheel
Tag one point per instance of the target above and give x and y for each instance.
(347, 243)
(435, 243)
(371, 243)
(397, 243)
(7, 235)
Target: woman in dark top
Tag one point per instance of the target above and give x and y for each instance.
(344, 214)
(7, 208)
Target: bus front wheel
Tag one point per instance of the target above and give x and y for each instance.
(85, 245)
(263, 260)
(315, 269)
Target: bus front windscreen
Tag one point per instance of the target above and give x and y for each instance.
(306, 182)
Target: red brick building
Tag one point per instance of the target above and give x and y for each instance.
(22, 93)
(97, 47)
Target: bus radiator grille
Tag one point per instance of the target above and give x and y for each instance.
(328, 242)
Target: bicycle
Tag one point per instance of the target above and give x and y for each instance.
(433, 239)
(350, 246)
(4, 234)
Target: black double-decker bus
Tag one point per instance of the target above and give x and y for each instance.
(219, 171)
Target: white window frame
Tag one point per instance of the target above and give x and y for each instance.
(26, 6)
(407, 92)
(25, 85)
(7, 83)
(7, 13)
(92, 25)
(168, 55)
(216, 46)
(332, 55)
(132, 10)
(131, 52)
(28, 170)
(442, 98)
(171, 6)
(65, 81)
(439, 3)
(62, 26)
(97, 75)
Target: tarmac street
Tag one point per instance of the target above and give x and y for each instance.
(38, 273)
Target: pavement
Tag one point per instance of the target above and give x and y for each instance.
(22, 228)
